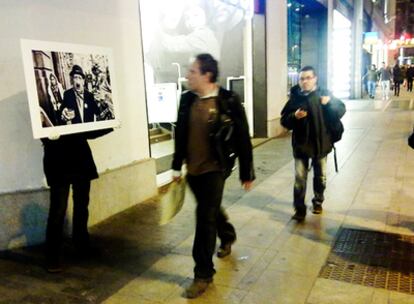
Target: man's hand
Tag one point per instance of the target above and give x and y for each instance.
(54, 137)
(299, 114)
(176, 176)
(325, 100)
(68, 114)
(247, 185)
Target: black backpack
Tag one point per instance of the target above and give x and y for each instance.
(224, 144)
(223, 139)
(336, 129)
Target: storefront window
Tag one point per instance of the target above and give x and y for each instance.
(294, 41)
(174, 32)
(342, 43)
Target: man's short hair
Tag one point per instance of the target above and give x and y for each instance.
(208, 64)
(308, 68)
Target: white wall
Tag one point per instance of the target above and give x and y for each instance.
(107, 23)
(276, 41)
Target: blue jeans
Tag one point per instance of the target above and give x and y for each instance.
(301, 176)
(371, 88)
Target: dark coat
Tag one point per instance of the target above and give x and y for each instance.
(397, 74)
(227, 103)
(69, 158)
(310, 136)
(90, 106)
(410, 73)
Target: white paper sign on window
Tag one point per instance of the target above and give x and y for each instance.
(162, 103)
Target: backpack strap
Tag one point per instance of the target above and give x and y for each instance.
(335, 159)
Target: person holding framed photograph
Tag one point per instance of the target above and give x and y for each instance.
(67, 162)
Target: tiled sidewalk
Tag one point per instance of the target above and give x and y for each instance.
(274, 260)
(278, 261)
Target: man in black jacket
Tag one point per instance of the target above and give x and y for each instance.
(68, 161)
(308, 113)
(211, 126)
(410, 77)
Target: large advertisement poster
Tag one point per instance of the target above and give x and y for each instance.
(174, 32)
(70, 88)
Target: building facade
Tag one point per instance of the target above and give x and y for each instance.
(260, 46)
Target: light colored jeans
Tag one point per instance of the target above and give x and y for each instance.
(371, 88)
(301, 177)
(385, 86)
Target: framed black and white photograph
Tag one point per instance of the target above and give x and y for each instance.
(70, 87)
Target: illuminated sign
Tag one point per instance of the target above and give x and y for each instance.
(370, 37)
(406, 42)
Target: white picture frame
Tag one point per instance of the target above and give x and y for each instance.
(96, 105)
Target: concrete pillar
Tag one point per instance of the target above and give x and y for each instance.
(276, 55)
(357, 32)
(248, 72)
(401, 57)
(330, 6)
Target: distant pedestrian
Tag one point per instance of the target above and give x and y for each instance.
(397, 79)
(410, 77)
(385, 79)
(309, 113)
(372, 77)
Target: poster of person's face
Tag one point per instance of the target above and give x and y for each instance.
(174, 32)
(70, 88)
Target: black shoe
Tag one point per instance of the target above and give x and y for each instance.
(317, 208)
(53, 266)
(299, 215)
(197, 288)
(224, 250)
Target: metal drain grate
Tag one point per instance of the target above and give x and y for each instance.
(371, 258)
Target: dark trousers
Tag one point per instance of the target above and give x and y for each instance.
(397, 88)
(301, 176)
(58, 204)
(211, 221)
(410, 85)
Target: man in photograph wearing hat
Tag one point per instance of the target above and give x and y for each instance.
(79, 105)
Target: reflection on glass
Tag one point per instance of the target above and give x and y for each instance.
(173, 33)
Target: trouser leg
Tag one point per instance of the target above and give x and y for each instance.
(225, 230)
(80, 233)
(387, 89)
(208, 191)
(57, 211)
(319, 179)
(385, 86)
(396, 88)
(301, 175)
(371, 86)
